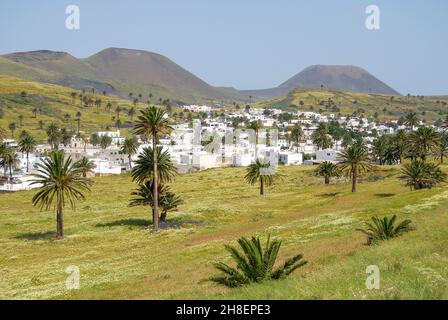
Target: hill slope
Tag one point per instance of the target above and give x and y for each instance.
(116, 71)
(344, 78)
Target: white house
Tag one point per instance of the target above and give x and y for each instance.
(327, 155)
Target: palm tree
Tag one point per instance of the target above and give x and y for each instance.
(297, 135)
(78, 120)
(411, 120)
(41, 124)
(105, 142)
(143, 169)
(355, 160)
(2, 134)
(152, 123)
(131, 113)
(54, 136)
(384, 229)
(130, 147)
(85, 166)
(61, 183)
(423, 142)
(12, 127)
(321, 137)
(255, 263)
(27, 144)
(168, 200)
(420, 175)
(260, 171)
(442, 148)
(9, 159)
(328, 170)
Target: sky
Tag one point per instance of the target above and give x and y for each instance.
(248, 44)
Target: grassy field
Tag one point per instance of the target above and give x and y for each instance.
(428, 108)
(119, 258)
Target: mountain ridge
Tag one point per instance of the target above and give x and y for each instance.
(120, 71)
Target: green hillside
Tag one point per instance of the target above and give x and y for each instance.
(119, 258)
(20, 97)
(346, 103)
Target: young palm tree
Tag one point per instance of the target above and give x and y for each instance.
(168, 200)
(27, 144)
(61, 183)
(260, 171)
(255, 263)
(384, 229)
(85, 166)
(130, 147)
(4, 150)
(420, 175)
(355, 160)
(328, 170)
(151, 124)
(10, 160)
(423, 142)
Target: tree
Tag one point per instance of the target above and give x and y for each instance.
(421, 175)
(27, 144)
(54, 135)
(260, 171)
(327, 170)
(85, 166)
(105, 142)
(321, 137)
(354, 161)
(411, 120)
(255, 264)
(131, 113)
(423, 142)
(130, 147)
(442, 148)
(12, 127)
(41, 124)
(21, 120)
(151, 124)
(384, 229)
(78, 120)
(61, 183)
(9, 159)
(297, 135)
(143, 169)
(2, 134)
(94, 139)
(168, 200)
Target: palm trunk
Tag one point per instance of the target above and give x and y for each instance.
(354, 176)
(27, 162)
(327, 180)
(130, 162)
(59, 222)
(261, 187)
(155, 195)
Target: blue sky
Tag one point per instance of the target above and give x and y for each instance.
(248, 44)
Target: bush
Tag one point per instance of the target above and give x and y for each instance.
(384, 229)
(255, 264)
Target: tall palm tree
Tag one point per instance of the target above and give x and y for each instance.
(12, 127)
(130, 147)
(151, 124)
(54, 136)
(9, 159)
(327, 170)
(85, 166)
(27, 144)
(321, 137)
(4, 150)
(260, 171)
(355, 160)
(297, 135)
(61, 183)
(423, 142)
